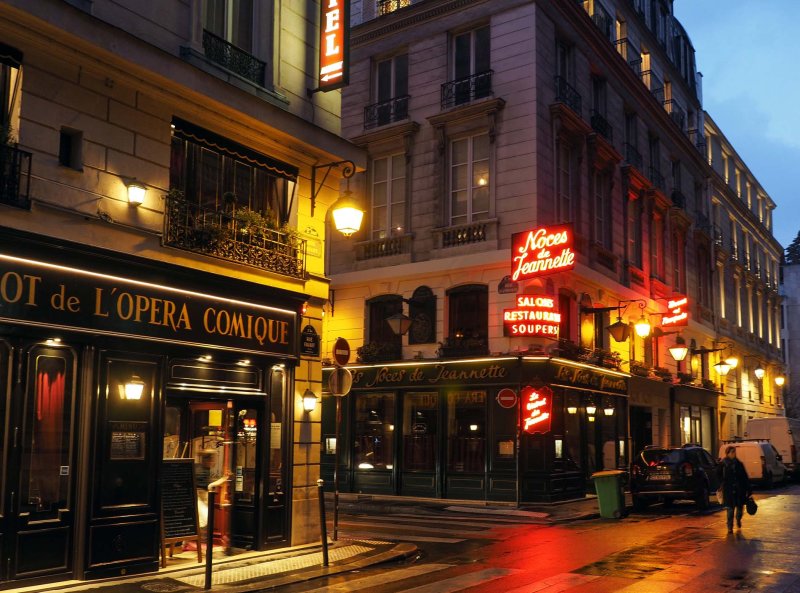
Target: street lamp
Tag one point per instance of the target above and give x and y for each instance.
(679, 350)
(759, 372)
(347, 214)
(780, 380)
(399, 323)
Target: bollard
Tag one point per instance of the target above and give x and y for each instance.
(323, 524)
(212, 495)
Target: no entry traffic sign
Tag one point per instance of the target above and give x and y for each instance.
(507, 398)
(341, 352)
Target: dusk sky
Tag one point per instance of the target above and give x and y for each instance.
(748, 53)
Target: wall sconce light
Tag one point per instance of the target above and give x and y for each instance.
(572, 410)
(400, 323)
(642, 326)
(136, 192)
(619, 330)
(732, 362)
(591, 418)
(309, 401)
(679, 350)
(780, 380)
(591, 409)
(134, 388)
(346, 213)
(722, 368)
(608, 411)
(759, 372)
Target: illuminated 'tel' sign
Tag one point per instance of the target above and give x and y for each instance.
(678, 313)
(537, 407)
(542, 251)
(534, 316)
(334, 44)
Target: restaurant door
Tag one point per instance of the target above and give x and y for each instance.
(37, 449)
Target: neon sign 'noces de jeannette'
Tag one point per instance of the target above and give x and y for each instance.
(542, 251)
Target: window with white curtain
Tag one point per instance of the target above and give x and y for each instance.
(469, 179)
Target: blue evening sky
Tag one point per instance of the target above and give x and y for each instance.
(748, 52)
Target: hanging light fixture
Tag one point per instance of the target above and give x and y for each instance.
(400, 323)
(347, 215)
(134, 388)
(722, 368)
(619, 330)
(759, 372)
(642, 327)
(572, 410)
(679, 350)
(608, 411)
(591, 409)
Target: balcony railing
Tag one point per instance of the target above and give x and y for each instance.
(464, 234)
(229, 236)
(623, 47)
(676, 112)
(636, 66)
(601, 126)
(469, 88)
(234, 59)
(385, 247)
(632, 156)
(656, 178)
(389, 6)
(15, 177)
(654, 83)
(455, 346)
(566, 94)
(603, 22)
(696, 138)
(386, 112)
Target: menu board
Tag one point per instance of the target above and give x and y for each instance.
(178, 499)
(127, 445)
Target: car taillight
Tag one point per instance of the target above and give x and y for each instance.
(687, 469)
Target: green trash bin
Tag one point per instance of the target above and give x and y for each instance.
(610, 496)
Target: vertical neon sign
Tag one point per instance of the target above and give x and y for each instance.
(537, 409)
(334, 44)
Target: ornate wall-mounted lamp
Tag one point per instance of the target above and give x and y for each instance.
(134, 388)
(347, 214)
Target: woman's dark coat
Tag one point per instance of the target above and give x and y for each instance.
(734, 482)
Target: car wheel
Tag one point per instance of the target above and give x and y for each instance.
(640, 504)
(702, 497)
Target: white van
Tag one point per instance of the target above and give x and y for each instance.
(783, 433)
(761, 460)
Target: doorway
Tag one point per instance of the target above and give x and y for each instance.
(641, 420)
(38, 383)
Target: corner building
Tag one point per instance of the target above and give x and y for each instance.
(483, 120)
(161, 251)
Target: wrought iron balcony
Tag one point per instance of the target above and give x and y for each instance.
(233, 237)
(389, 6)
(636, 66)
(234, 59)
(676, 112)
(623, 47)
(15, 177)
(657, 178)
(386, 112)
(654, 83)
(469, 88)
(632, 156)
(601, 126)
(566, 94)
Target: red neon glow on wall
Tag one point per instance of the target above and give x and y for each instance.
(537, 407)
(534, 316)
(542, 251)
(678, 313)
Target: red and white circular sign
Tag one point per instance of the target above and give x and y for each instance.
(341, 352)
(507, 398)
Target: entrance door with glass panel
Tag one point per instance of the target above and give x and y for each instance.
(466, 445)
(37, 402)
(420, 449)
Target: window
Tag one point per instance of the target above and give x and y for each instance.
(602, 209)
(635, 232)
(678, 263)
(657, 246)
(218, 175)
(703, 278)
(470, 61)
(374, 431)
(721, 278)
(70, 149)
(469, 179)
(10, 86)
(386, 345)
(738, 183)
(737, 286)
(655, 155)
(734, 239)
(391, 90)
(564, 67)
(388, 196)
(468, 314)
(466, 431)
(420, 423)
(725, 174)
(231, 20)
(564, 182)
(599, 95)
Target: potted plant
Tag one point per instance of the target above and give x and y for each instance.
(663, 373)
(709, 384)
(685, 378)
(378, 352)
(639, 369)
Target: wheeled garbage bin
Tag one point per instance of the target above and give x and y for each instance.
(610, 496)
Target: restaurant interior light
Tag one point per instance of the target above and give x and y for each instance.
(572, 410)
(134, 388)
(608, 411)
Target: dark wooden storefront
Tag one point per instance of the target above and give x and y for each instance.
(437, 429)
(80, 480)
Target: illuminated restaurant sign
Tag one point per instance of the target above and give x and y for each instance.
(537, 407)
(533, 316)
(542, 251)
(59, 297)
(678, 313)
(334, 34)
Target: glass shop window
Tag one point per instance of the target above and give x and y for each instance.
(420, 421)
(466, 431)
(374, 431)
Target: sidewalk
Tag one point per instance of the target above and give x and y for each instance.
(253, 571)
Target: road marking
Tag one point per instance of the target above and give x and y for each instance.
(427, 520)
(464, 581)
(382, 578)
(360, 535)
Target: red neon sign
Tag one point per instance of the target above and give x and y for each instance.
(334, 33)
(542, 251)
(537, 407)
(678, 313)
(534, 316)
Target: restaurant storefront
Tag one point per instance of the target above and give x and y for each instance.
(110, 364)
(449, 429)
(694, 411)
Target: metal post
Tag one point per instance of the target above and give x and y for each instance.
(322, 523)
(336, 472)
(212, 495)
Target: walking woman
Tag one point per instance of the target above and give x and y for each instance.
(735, 486)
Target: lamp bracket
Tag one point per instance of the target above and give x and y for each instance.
(348, 169)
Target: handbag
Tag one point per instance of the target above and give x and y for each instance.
(720, 496)
(751, 506)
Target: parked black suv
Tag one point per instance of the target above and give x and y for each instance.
(667, 474)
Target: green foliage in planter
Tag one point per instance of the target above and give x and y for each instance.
(639, 368)
(378, 351)
(685, 378)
